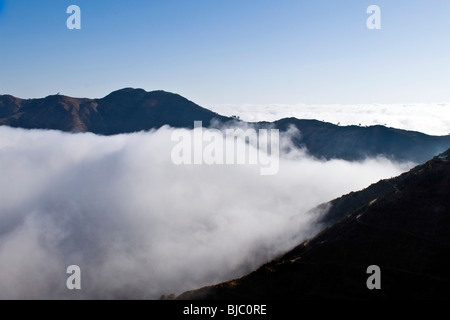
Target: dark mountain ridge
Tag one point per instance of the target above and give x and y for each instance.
(123, 111)
(131, 110)
(356, 143)
(402, 228)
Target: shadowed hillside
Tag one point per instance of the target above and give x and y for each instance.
(405, 231)
(122, 111)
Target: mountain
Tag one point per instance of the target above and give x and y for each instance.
(130, 110)
(404, 231)
(123, 111)
(340, 207)
(325, 140)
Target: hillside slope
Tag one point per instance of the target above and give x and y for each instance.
(123, 111)
(405, 232)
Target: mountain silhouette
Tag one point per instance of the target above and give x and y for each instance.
(402, 228)
(326, 140)
(131, 110)
(123, 111)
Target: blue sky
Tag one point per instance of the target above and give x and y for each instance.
(231, 51)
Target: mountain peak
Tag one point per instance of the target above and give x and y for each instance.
(125, 92)
(133, 94)
(122, 111)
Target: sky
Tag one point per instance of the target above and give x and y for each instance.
(230, 52)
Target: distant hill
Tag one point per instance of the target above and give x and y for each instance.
(404, 230)
(356, 143)
(130, 110)
(123, 111)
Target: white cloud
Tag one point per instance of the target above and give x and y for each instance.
(430, 118)
(140, 226)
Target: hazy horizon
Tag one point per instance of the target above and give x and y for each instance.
(428, 118)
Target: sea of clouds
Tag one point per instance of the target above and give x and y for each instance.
(140, 226)
(429, 118)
